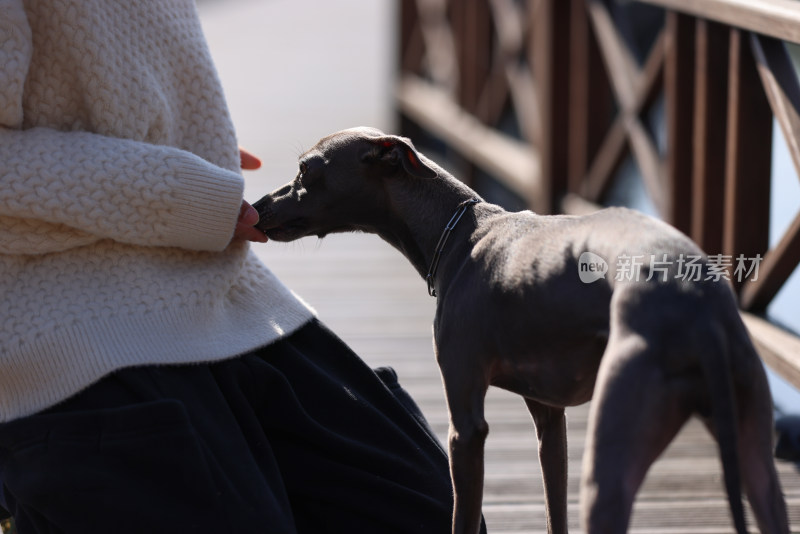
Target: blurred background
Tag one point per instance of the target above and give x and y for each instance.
(297, 70)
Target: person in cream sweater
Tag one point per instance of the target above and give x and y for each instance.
(154, 375)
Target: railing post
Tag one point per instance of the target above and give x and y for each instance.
(679, 95)
(710, 125)
(550, 50)
(590, 98)
(748, 152)
(411, 48)
(472, 26)
(472, 29)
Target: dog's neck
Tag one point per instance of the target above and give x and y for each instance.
(421, 214)
(430, 277)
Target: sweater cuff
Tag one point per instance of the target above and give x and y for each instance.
(207, 204)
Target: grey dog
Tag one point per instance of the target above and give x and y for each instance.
(513, 312)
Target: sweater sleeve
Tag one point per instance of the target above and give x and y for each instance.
(60, 189)
(108, 188)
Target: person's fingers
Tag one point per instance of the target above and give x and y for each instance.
(249, 162)
(248, 216)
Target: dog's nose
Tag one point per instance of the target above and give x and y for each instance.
(264, 208)
(262, 204)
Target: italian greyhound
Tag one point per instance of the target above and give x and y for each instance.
(521, 306)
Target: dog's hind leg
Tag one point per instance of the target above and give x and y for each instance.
(759, 475)
(551, 429)
(755, 444)
(635, 414)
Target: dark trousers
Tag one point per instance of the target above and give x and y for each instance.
(300, 436)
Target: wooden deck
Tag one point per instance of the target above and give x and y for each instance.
(372, 298)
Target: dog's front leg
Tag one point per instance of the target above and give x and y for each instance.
(467, 435)
(551, 428)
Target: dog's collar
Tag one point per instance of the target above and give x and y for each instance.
(437, 254)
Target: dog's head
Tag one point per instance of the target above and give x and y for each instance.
(341, 185)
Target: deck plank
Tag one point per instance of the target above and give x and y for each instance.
(372, 298)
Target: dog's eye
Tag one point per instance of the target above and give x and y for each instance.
(303, 168)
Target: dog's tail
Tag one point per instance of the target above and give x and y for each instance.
(715, 359)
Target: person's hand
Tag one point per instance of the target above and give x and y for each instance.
(248, 216)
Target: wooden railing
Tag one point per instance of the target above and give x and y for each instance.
(550, 97)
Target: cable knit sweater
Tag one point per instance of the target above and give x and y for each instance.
(119, 194)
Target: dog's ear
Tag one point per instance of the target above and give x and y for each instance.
(393, 150)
